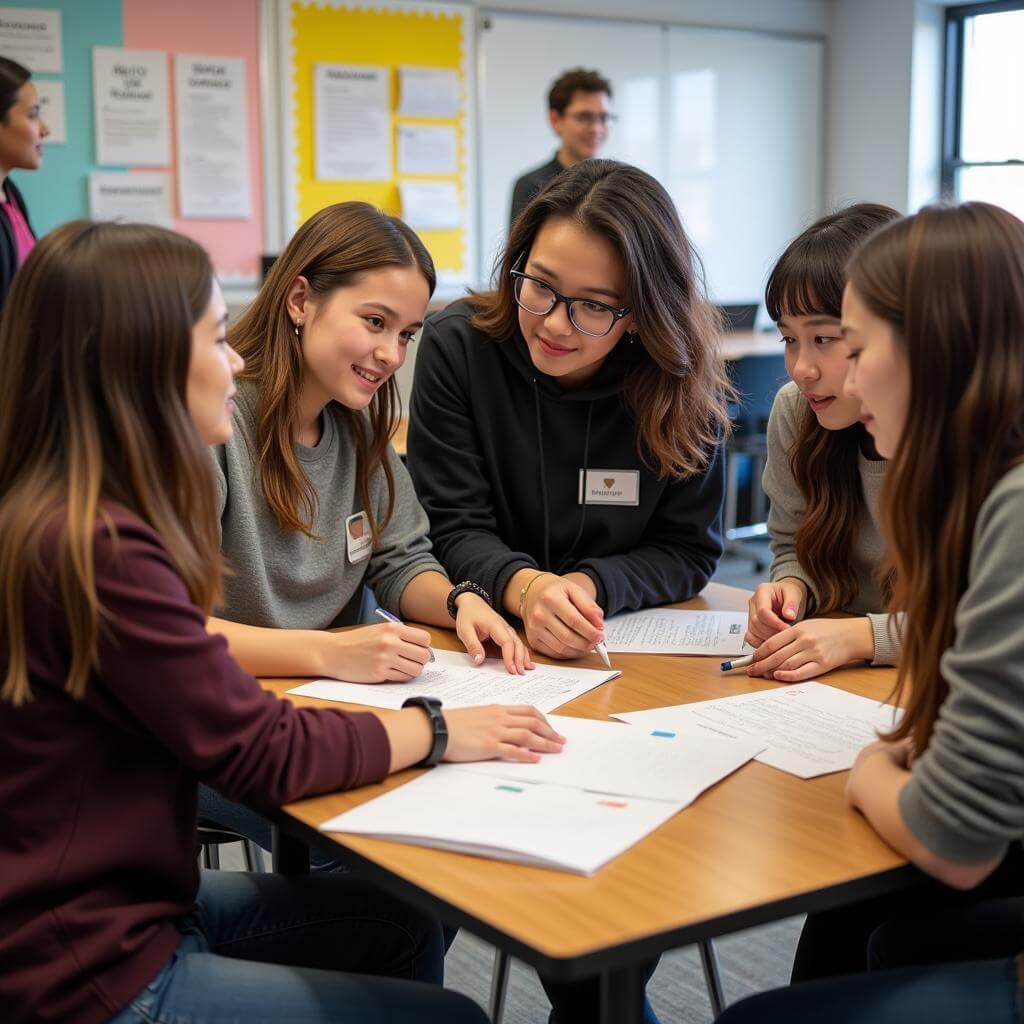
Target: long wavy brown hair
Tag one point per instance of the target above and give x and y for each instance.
(950, 281)
(331, 250)
(808, 280)
(679, 396)
(95, 343)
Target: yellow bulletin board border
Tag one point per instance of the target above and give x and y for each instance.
(393, 34)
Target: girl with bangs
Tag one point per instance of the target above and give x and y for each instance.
(565, 428)
(933, 316)
(115, 700)
(823, 476)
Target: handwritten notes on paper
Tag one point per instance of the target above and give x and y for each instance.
(458, 683)
(669, 631)
(806, 729)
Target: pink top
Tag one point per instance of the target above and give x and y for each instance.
(24, 240)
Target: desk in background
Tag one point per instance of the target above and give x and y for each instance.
(760, 846)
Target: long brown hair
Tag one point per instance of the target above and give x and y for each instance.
(679, 396)
(950, 282)
(331, 250)
(808, 280)
(95, 344)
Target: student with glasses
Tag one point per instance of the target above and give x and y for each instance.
(579, 116)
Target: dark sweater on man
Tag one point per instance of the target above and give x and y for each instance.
(496, 451)
(531, 183)
(98, 852)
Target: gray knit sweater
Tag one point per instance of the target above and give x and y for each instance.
(965, 797)
(287, 580)
(787, 510)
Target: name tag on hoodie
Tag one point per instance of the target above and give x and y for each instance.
(609, 487)
(358, 536)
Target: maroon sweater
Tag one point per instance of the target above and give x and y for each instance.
(98, 796)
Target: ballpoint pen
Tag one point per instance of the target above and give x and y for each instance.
(600, 648)
(387, 616)
(728, 666)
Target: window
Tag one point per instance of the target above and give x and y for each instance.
(983, 136)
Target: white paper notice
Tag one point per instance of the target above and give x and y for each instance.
(213, 136)
(133, 124)
(458, 683)
(806, 729)
(668, 631)
(32, 37)
(136, 198)
(352, 115)
(430, 205)
(546, 826)
(428, 92)
(606, 757)
(426, 149)
(51, 110)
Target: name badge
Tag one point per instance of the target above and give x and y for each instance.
(609, 487)
(360, 540)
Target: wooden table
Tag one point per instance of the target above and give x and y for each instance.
(760, 846)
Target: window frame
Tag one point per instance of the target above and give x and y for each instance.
(952, 120)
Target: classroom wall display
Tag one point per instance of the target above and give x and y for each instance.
(131, 109)
(52, 111)
(32, 37)
(377, 106)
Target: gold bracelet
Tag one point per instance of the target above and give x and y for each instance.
(526, 590)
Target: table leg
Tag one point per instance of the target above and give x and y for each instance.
(622, 995)
(290, 856)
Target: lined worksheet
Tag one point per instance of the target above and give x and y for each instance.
(806, 729)
(454, 680)
(671, 631)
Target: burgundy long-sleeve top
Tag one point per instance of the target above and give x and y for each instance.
(98, 854)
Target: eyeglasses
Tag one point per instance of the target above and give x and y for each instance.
(586, 315)
(588, 119)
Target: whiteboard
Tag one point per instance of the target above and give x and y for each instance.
(730, 121)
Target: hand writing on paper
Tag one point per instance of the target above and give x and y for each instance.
(518, 733)
(561, 617)
(812, 648)
(477, 622)
(389, 653)
(774, 607)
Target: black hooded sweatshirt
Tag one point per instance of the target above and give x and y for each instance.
(497, 451)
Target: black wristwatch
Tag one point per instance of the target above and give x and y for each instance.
(432, 707)
(466, 587)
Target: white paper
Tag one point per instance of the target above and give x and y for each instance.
(427, 149)
(546, 826)
(458, 683)
(32, 37)
(352, 119)
(52, 110)
(213, 137)
(428, 92)
(668, 631)
(606, 757)
(135, 198)
(430, 204)
(807, 729)
(133, 124)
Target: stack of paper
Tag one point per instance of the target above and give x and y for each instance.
(574, 811)
(669, 631)
(806, 729)
(458, 683)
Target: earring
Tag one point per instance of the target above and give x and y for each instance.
(633, 336)
(298, 324)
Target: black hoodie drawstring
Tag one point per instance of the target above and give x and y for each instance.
(543, 478)
(583, 487)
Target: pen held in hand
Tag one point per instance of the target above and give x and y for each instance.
(599, 648)
(388, 617)
(728, 666)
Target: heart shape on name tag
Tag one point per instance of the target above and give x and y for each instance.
(609, 480)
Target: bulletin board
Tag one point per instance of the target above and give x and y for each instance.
(393, 35)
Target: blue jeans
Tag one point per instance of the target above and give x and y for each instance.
(269, 948)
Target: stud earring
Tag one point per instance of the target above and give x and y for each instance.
(298, 324)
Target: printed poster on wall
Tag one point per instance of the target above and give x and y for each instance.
(136, 198)
(133, 123)
(32, 37)
(352, 122)
(213, 137)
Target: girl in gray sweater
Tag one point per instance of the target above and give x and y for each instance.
(934, 318)
(823, 475)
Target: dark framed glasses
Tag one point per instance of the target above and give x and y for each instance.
(588, 316)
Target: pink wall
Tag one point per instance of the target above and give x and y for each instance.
(220, 28)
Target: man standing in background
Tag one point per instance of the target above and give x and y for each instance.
(578, 111)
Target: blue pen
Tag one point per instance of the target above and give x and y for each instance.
(387, 616)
